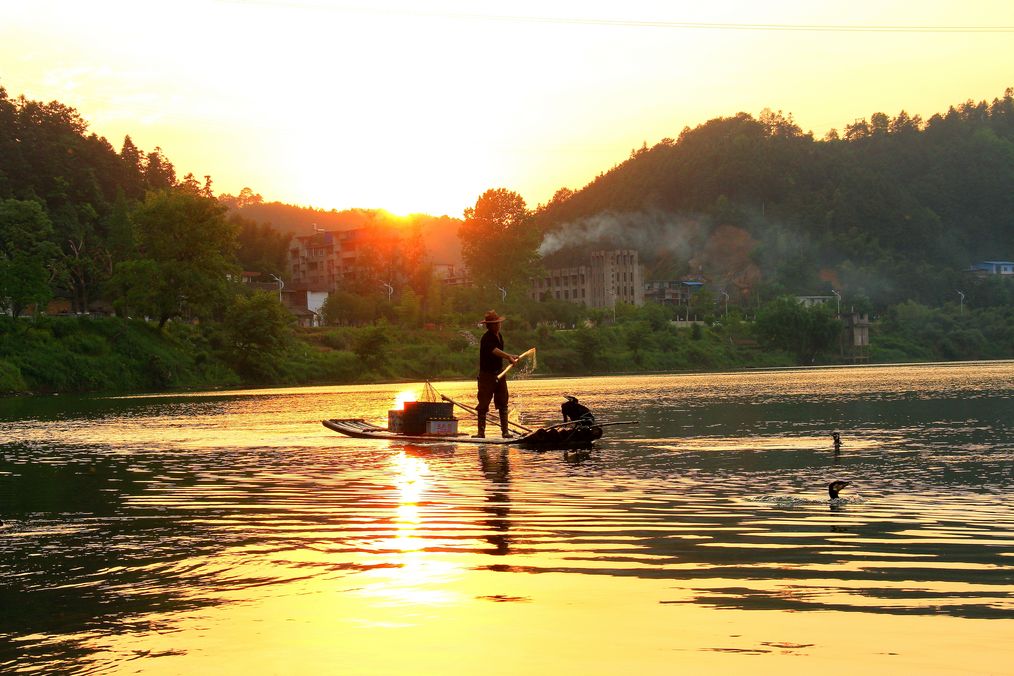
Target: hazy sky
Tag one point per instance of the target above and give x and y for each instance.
(421, 106)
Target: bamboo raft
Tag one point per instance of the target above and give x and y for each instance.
(564, 436)
(569, 435)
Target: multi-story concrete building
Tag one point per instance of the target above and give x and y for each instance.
(325, 258)
(616, 278)
(611, 277)
(570, 284)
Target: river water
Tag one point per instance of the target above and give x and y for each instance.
(232, 533)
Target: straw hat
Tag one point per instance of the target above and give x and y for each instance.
(492, 318)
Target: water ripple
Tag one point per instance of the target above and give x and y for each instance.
(135, 510)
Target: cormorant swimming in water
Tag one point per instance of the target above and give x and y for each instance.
(835, 486)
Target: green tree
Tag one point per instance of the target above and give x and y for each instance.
(159, 173)
(121, 238)
(702, 305)
(187, 247)
(84, 260)
(346, 308)
(804, 331)
(408, 309)
(371, 345)
(23, 282)
(260, 247)
(657, 315)
(132, 182)
(257, 331)
(136, 289)
(590, 346)
(27, 255)
(499, 240)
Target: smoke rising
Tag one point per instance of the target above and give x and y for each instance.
(756, 249)
(648, 232)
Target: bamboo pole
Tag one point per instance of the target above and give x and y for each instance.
(593, 424)
(521, 356)
(471, 410)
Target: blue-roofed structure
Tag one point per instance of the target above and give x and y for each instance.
(993, 267)
(672, 292)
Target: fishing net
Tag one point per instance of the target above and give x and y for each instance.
(527, 363)
(430, 393)
(522, 370)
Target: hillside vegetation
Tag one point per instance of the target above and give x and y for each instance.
(892, 209)
(889, 214)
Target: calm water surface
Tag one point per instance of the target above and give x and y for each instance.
(231, 532)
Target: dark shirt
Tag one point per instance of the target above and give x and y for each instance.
(489, 362)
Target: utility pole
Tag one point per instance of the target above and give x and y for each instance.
(281, 285)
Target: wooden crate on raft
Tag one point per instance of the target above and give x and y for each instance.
(414, 419)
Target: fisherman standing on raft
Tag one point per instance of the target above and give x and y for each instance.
(491, 356)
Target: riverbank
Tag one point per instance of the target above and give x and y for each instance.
(114, 355)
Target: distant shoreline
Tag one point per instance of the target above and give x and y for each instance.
(255, 390)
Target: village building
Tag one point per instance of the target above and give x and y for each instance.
(985, 268)
(450, 274)
(673, 291)
(305, 304)
(811, 301)
(324, 259)
(855, 337)
(610, 277)
(570, 284)
(616, 278)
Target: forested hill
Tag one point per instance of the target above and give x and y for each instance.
(893, 207)
(440, 233)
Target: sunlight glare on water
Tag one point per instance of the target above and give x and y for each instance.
(230, 532)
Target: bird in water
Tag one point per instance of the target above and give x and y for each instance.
(835, 486)
(836, 438)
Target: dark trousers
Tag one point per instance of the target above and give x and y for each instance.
(491, 390)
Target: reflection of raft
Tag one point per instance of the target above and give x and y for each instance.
(563, 436)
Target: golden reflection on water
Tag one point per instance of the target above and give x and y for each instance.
(230, 532)
(413, 575)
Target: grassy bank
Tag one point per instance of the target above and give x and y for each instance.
(108, 354)
(84, 354)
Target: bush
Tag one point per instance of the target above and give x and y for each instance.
(11, 380)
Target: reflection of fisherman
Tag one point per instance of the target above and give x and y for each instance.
(496, 468)
(491, 356)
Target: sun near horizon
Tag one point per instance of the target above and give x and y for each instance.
(419, 108)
